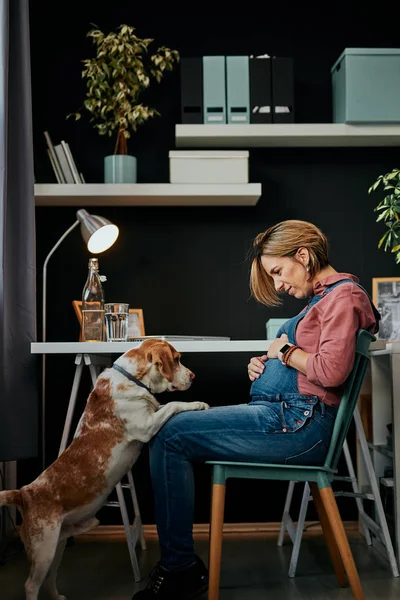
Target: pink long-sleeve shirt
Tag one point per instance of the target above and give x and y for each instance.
(328, 334)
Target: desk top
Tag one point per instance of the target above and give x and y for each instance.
(260, 346)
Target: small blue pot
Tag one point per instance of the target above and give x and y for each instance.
(120, 168)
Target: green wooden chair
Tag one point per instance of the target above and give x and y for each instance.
(319, 478)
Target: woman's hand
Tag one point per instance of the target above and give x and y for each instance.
(277, 345)
(256, 366)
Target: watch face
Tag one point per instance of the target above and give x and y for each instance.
(284, 348)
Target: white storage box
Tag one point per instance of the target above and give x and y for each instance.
(209, 166)
(273, 326)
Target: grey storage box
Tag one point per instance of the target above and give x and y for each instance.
(209, 166)
(366, 86)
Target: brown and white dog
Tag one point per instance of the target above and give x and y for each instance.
(121, 414)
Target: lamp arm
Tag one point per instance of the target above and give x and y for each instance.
(50, 254)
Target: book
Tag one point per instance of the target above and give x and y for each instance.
(53, 159)
(378, 344)
(62, 159)
(56, 167)
(71, 162)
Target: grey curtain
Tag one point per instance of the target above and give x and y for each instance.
(18, 371)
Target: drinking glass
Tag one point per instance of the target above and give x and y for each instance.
(116, 314)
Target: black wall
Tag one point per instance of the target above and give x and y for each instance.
(187, 267)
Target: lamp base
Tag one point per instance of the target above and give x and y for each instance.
(120, 168)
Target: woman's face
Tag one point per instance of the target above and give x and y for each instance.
(290, 276)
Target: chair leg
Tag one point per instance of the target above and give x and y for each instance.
(138, 516)
(329, 535)
(299, 531)
(128, 532)
(216, 531)
(286, 513)
(335, 520)
(356, 490)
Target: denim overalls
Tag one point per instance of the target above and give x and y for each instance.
(279, 383)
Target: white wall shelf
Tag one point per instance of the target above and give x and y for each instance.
(286, 135)
(147, 194)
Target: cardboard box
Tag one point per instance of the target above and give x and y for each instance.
(209, 166)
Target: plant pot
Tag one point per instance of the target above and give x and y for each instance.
(120, 168)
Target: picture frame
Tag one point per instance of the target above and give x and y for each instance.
(386, 297)
(135, 323)
(77, 306)
(135, 320)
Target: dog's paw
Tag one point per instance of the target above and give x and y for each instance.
(200, 406)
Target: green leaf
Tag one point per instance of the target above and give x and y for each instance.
(383, 238)
(382, 216)
(117, 75)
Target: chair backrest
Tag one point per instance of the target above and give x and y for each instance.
(349, 398)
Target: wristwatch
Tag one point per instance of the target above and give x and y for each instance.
(284, 349)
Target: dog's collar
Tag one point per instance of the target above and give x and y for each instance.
(131, 377)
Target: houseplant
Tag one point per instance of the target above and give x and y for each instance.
(115, 78)
(389, 211)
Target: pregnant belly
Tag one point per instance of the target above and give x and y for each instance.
(276, 379)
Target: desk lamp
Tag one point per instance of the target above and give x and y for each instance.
(99, 234)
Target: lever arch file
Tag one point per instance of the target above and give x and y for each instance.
(191, 90)
(214, 97)
(282, 90)
(237, 89)
(260, 90)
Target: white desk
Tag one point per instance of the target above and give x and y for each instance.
(384, 383)
(121, 347)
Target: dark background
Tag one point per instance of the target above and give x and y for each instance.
(188, 267)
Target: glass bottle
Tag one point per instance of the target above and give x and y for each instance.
(93, 294)
(93, 327)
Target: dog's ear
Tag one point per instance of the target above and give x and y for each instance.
(161, 356)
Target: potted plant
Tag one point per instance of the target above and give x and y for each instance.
(389, 211)
(115, 78)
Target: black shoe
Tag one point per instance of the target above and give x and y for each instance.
(175, 585)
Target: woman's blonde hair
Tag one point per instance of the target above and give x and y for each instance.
(284, 239)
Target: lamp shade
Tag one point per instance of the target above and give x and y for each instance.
(99, 233)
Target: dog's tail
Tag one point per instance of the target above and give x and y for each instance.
(12, 497)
